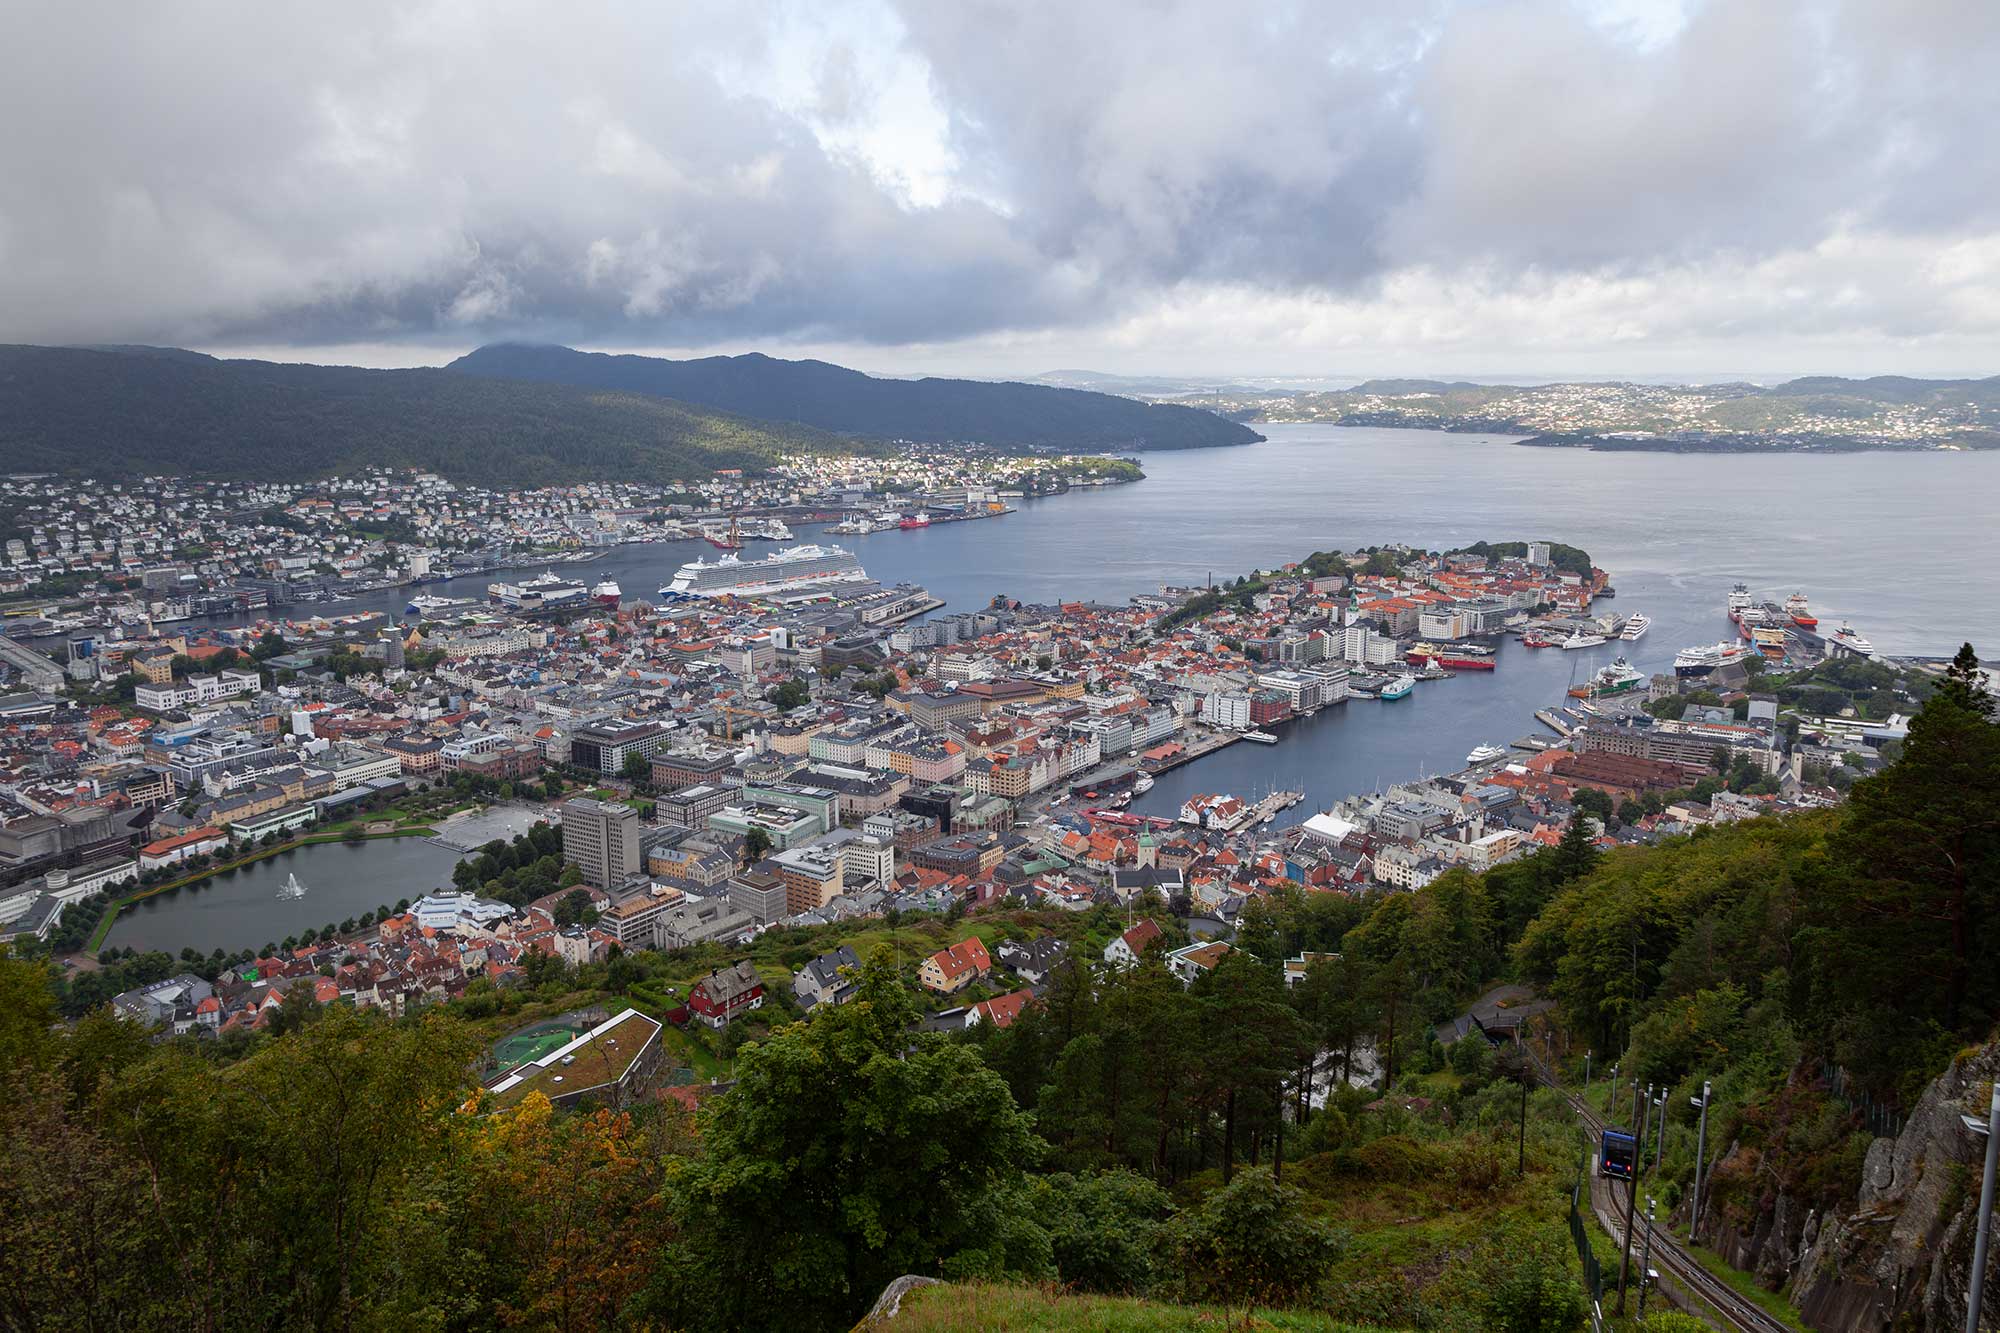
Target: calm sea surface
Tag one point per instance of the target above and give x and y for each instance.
(1904, 545)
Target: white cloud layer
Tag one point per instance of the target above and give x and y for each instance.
(1663, 186)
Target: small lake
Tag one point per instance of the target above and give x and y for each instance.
(242, 910)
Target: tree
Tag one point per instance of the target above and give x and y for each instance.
(574, 908)
(1592, 801)
(1917, 901)
(790, 693)
(636, 768)
(1249, 1243)
(756, 845)
(1576, 855)
(1252, 1039)
(1043, 662)
(850, 1151)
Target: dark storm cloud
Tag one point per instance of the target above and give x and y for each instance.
(454, 171)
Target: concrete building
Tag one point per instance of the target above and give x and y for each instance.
(601, 838)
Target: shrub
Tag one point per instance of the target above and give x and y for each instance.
(1247, 1243)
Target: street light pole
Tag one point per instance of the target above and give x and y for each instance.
(1586, 1076)
(1977, 1283)
(1660, 1139)
(1700, 1156)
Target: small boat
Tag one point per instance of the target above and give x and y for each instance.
(1485, 754)
(1635, 628)
(1261, 737)
(1535, 639)
(1143, 783)
(1399, 687)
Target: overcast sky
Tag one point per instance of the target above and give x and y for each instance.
(1646, 187)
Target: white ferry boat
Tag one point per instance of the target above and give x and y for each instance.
(424, 604)
(545, 589)
(1635, 628)
(793, 569)
(1261, 737)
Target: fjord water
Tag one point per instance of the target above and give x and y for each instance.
(1903, 544)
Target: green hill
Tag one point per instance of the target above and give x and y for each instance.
(815, 393)
(127, 411)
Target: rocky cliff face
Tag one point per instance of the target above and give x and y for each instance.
(1899, 1258)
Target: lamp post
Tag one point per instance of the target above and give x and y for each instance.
(1586, 1076)
(1976, 1284)
(1700, 1156)
(1660, 1138)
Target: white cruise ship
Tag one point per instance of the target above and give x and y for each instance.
(1635, 627)
(796, 568)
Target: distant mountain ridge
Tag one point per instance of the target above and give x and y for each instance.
(833, 398)
(143, 410)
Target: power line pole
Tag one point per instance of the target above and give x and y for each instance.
(1646, 1260)
(1632, 1200)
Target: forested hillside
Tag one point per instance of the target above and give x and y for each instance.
(138, 411)
(1124, 1135)
(815, 393)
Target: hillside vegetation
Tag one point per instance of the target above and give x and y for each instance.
(127, 412)
(830, 397)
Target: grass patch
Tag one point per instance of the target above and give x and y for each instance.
(988, 1307)
(1770, 1302)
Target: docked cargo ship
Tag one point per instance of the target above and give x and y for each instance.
(920, 519)
(1621, 677)
(1694, 663)
(1800, 610)
(607, 592)
(796, 568)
